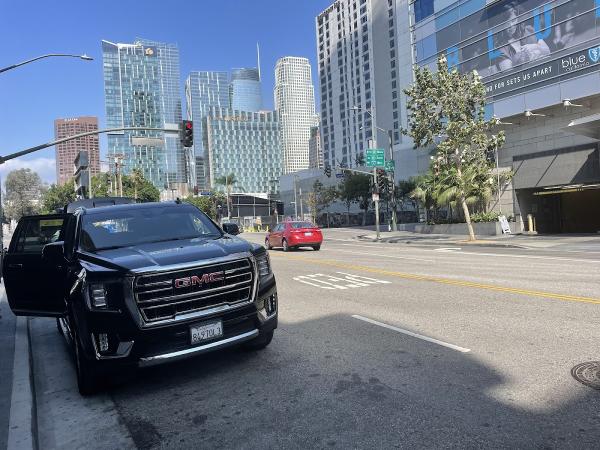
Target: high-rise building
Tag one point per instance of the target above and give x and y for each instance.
(202, 91)
(245, 91)
(141, 89)
(68, 151)
(246, 144)
(315, 151)
(295, 102)
(361, 75)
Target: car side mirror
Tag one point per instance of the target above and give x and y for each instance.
(54, 252)
(231, 228)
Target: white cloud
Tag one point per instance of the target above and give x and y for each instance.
(45, 167)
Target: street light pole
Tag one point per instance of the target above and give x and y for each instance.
(50, 55)
(295, 199)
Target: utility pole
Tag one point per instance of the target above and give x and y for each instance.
(295, 200)
(301, 206)
(393, 184)
(374, 141)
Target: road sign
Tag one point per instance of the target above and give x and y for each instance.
(504, 224)
(375, 157)
(390, 165)
(375, 197)
(339, 175)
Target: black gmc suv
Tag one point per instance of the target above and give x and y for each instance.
(140, 284)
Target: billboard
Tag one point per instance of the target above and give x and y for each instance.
(509, 35)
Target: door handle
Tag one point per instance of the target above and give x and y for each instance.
(15, 266)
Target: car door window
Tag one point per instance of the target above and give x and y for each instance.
(37, 233)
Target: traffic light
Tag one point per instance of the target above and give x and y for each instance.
(381, 180)
(187, 133)
(328, 171)
(391, 185)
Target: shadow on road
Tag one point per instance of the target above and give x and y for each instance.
(336, 382)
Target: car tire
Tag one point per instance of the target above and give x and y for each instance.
(286, 247)
(259, 342)
(268, 244)
(58, 327)
(316, 248)
(87, 377)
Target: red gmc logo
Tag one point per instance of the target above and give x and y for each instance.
(196, 280)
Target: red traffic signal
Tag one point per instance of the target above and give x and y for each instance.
(186, 133)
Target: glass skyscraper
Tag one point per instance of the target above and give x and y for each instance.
(246, 144)
(141, 89)
(203, 90)
(245, 90)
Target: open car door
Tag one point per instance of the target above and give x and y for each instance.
(34, 285)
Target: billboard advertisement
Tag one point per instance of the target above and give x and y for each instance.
(512, 36)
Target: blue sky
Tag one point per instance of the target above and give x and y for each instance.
(212, 35)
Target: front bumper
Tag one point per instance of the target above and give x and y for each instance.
(132, 345)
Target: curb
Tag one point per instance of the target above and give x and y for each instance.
(22, 424)
(400, 240)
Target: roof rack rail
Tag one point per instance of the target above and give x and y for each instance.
(97, 202)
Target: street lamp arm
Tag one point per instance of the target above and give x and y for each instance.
(27, 151)
(50, 55)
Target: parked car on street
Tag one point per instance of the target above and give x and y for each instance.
(294, 234)
(134, 285)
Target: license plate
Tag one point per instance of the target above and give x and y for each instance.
(308, 233)
(206, 331)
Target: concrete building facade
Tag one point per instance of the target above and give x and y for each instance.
(294, 98)
(315, 151)
(68, 151)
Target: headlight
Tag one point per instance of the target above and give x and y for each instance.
(98, 295)
(264, 265)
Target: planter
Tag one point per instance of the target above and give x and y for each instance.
(480, 228)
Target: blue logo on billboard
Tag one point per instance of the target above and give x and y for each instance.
(594, 54)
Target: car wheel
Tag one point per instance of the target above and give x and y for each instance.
(87, 377)
(268, 244)
(260, 342)
(286, 247)
(316, 248)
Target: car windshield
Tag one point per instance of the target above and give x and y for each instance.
(302, 225)
(124, 228)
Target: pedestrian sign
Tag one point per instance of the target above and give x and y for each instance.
(390, 165)
(375, 157)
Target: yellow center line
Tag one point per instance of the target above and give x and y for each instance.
(434, 279)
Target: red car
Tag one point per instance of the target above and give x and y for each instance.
(290, 235)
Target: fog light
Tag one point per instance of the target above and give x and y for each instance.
(271, 304)
(98, 295)
(103, 341)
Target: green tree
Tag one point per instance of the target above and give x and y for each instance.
(58, 196)
(448, 105)
(205, 203)
(140, 188)
(101, 184)
(347, 192)
(23, 193)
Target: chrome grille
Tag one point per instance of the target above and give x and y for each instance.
(159, 297)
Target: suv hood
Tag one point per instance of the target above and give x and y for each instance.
(155, 255)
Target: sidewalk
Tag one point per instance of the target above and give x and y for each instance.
(567, 242)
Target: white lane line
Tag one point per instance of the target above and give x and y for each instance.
(410, 333)
(385, 256)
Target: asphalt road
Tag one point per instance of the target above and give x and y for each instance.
(379, 346)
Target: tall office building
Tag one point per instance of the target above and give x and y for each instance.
(245, 91)
(141, 89)
(295, 102)
(68, 151)
(360, 73)
(315, 151)
(203, 90)
(246, 144)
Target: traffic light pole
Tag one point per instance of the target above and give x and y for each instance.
(393, 184)
(27, 151)
(376, 203)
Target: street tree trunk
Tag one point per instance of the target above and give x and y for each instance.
(465, 207)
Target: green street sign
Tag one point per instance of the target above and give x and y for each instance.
(375, 157)
(390, 165)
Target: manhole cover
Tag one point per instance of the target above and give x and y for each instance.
(588, 373)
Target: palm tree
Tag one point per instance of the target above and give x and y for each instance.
(137, 178)
(229, 182)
